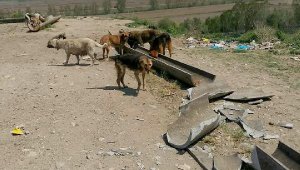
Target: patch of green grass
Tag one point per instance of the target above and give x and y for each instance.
(139, 22)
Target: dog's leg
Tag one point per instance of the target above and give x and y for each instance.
(77, 56)
(122, 77)
(143, 76)
(107, 49)
(103, 50)
(136, 74)
(67, 59)
(93, 56)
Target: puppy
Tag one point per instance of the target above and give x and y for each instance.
(137, 63)
(159, 45)
(77, 47)
(141, 37)
(116, 41)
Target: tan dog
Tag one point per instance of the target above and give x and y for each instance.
(77, 47)
(141, 37)
(116, 41)
(159, 45)
(137, 63)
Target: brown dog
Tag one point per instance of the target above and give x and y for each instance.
(137, 63)
(141, 37)
(159, 45)
(116, 41)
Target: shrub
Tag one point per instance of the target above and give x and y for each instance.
(170, 26)
(139, 22)
(247, 37)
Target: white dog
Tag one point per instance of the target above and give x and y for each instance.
(77, 47)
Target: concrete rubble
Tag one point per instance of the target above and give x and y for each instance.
(196, 121)
(284, 157)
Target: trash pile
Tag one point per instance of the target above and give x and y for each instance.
(36, 21)
(229, 45)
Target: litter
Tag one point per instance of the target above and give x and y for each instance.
(217, 46)
(36, 21)
(241, 47)
(196, 120)
(17, 131)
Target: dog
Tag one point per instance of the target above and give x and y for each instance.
(141, 37)
(116, 41)
(159, 45)
(77, 47)
(137, 63)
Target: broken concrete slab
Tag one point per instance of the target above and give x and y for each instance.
(247, 94)
(232, 112)
(289, 156)
(227, 162)
(216, 89)
(196, 120)
(261, 160)
(202, 159)
(253, 128)
(255, 102)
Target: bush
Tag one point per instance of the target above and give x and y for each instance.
(170, 26)
(265, 34)
(247, 37)
(139, 22)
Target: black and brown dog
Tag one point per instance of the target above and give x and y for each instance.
(159, 45)
(141, 37)
(137, 63)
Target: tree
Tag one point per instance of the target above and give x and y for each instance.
(153, 4)
(296, 6)
(94, 8)
(121, 5)
(51, 10)
(86, 10)
(1, 14)
(106, 6)
(67, 10)
(78, 10)
(169, 4)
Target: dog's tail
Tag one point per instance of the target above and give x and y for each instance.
(101, 46)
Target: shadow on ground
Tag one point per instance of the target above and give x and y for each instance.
(127, 91)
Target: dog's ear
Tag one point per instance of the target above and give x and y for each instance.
(109, 33)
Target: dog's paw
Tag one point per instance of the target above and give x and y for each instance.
(144, 89)
(77, 64)
(65, 63)
(125, 86)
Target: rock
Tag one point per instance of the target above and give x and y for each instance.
(184, 167)
(157, 160)
(140, 165)
(32, 154)
(59, 165)
(110, 153)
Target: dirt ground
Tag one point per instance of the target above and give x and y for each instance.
(76, 118)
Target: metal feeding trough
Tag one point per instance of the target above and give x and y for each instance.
(188, 74)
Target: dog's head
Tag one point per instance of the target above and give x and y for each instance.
(154, 53)
(146, 63)
(124, 35)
